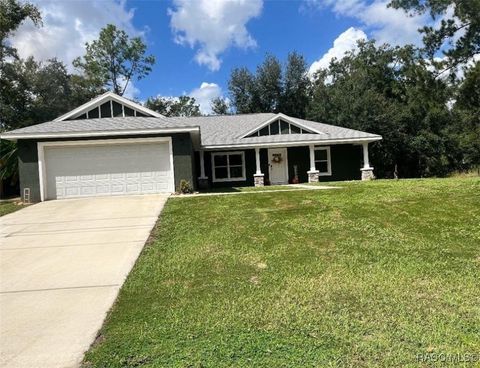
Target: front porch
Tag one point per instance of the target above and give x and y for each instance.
(259, 166)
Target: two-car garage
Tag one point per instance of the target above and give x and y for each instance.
(105, 167)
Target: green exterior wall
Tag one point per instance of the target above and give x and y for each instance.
(346, 160)
(299, 156)
(183, 160)
(28, 168)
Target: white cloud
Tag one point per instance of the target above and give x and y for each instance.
(384, 24)
(67, 25)
(392, 26)
(344, 42)
(212, 26)
(205, 94)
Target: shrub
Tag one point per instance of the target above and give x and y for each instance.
(185, 187)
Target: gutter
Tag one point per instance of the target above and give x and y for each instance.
(294, 144)
(111, 133)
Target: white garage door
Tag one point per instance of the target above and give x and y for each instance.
(107, 169)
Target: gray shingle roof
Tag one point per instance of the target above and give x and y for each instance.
(214, 130)
(228, 130)
(98, 125)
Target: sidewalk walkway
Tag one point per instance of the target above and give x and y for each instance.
(288, 188)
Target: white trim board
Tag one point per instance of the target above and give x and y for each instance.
(42, 172)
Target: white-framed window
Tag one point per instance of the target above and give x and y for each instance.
(322, 161)
(228, 166)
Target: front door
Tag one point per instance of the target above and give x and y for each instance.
(278, 165)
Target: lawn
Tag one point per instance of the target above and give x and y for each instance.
(370, 275)
(8, 207)
(253, 189)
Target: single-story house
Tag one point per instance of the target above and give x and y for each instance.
(113, 146)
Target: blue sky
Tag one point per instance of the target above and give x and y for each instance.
(198, 42)
(282, 27)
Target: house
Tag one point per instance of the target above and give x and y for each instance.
(112, 146)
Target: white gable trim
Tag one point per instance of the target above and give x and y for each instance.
(97, 101)
(282, 117)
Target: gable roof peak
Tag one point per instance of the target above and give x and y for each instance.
(101, 99)
(286, 118)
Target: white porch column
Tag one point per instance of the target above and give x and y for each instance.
(313, 172)
(257, 161)
(258, 178)
(312, 157)
(202, 165)
(202, 179)
(367, 170)
(366, 163)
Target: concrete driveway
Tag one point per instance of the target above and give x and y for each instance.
(62, 264)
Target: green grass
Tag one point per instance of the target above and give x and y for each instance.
(367, 276)
(9, 207)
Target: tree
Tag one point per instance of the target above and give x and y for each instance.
(391, 92)
(220, 106)
(12, 14)
(33, 92)
(179, 106)
(296, 84)
(113, 60)
(272, 88)
(268, 82)
(459, 28)
(243, 91)
(466, 124)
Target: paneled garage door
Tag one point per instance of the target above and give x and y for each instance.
(107, 169)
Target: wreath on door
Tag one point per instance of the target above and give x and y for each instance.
(277, 158)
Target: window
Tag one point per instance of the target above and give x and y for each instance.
(106, 110)
(279, 127)
(128, 111)
(117, 109)
(295, 130)
(322, 161)
(228, 166)
(274, 128)
(262, 132)
(94, 113)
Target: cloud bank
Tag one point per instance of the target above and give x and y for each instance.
(205, 94)
(346, 41)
